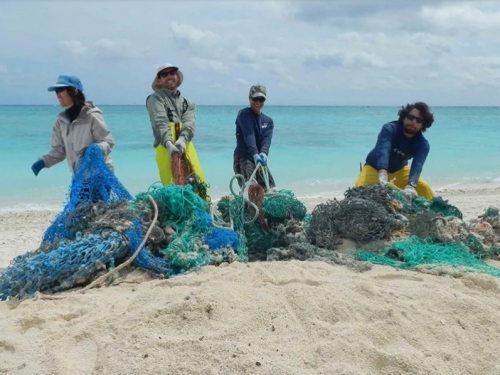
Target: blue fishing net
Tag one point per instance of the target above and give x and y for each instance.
(92, 182)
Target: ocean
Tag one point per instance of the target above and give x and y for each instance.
(316, 151)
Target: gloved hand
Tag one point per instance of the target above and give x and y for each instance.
(37, 166)
(263, 156)
(382, 179)
(258, 160)
(410, 192)
(171, 148)
(181, 144)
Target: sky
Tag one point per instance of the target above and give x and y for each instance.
(335, 52)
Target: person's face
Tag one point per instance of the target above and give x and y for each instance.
(168, 79)
(64, 98)
(257, 103)
(413, 122)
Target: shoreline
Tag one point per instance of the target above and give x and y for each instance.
(22, 230)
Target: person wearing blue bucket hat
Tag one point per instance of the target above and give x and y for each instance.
(78, 126)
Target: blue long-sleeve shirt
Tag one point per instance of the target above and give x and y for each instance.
(394, 149)
(254, 133)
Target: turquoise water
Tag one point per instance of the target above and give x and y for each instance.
(316, 151)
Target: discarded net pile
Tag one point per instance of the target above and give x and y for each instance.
(366, 214)
(100, 225)
(414, 253)
(66, 256)
(184, 234)
(260, 218)
(370, 213)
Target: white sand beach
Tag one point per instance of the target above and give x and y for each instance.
(258, 318)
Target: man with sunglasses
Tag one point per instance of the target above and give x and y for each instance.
(398, 142)
(254, 133)
(173, 118)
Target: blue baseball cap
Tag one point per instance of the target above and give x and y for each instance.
(67, 80)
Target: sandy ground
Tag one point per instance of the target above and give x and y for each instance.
(259, 318)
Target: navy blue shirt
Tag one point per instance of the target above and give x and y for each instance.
(394, 149)
(253, 133)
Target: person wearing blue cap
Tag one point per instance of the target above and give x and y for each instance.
(77, 127)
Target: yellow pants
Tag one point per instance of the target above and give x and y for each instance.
(369, 176)
(163, 162)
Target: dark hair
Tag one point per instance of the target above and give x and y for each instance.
(76, 95)
(425, 112)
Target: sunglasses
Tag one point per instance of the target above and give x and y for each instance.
(259, 99)
(60, 89)
(419, 120)
(166, 74)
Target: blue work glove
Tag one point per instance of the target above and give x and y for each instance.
(258, 160)
(171, 148)
(263, 156)
(37, 166)
(181, 144)
(410, 192)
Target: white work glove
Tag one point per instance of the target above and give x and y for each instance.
(171, 148)
(382, 179)
(181, 144)
(258, 160)
(410, 192)
(263, 157)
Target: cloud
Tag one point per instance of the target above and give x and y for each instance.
(320, 11)
(74, 47)
(344, 59)
(104, 49)
(463, 18)
(189, 36)
(209, 64)
(243, 82)
(342, 51)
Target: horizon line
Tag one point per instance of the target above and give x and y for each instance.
(269, 105)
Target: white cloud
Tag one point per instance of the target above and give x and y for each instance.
(190, 36)
(117, 49)
(74, 47)
(377, 48)
(209, 64)
(463, 18)
(104, 48)
(243, 82)
(345, 59)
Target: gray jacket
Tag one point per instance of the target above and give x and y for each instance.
(69, 139)
(164, 107)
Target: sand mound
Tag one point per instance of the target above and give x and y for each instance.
(261, 318)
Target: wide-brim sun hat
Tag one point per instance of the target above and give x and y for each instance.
(155, 86)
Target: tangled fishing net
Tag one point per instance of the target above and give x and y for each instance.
(102, 224)
(170, 230)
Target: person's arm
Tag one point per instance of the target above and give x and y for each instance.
(188, 120)
(101, 134)
(57, 151)
(267, 137)
(383, 148)
(418, 162)
(245, 123)
(159, 119)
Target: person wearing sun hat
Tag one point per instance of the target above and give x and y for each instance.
(172, 116)
(78, 126)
